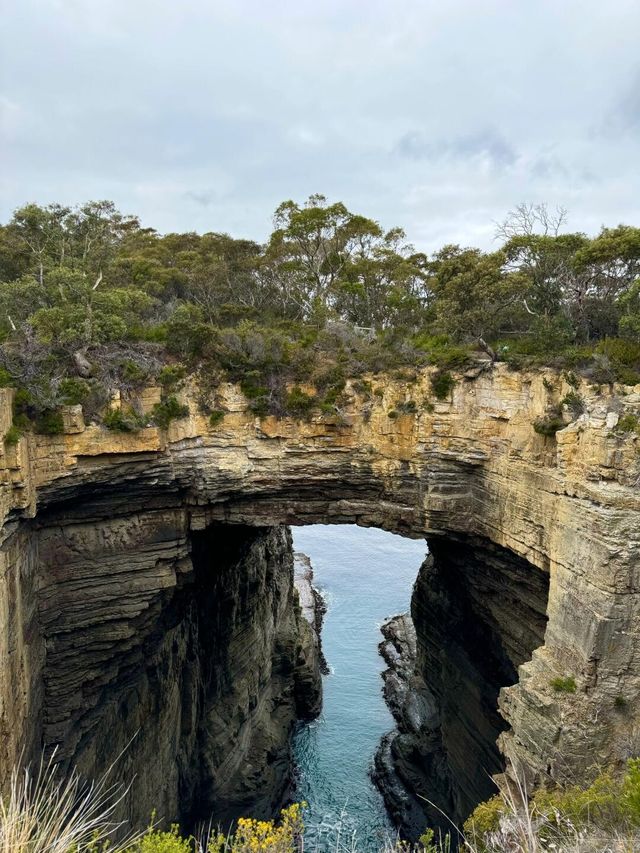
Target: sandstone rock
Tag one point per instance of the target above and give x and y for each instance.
(471, 472)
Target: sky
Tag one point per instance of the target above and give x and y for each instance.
(438, 117)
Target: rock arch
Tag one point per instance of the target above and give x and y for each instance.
(99, 531)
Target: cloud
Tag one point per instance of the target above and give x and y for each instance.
(436, 117)
(485, 144)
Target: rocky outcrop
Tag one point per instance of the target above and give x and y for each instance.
(185, 652)
(478, 612)
(469, 473)
(312, 605)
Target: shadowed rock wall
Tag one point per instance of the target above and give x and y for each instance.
(185, 652)
(478, 612)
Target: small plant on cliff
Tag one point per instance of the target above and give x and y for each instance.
(168, 410)
(216, 417)
(49, 423)
(572, 379)
(12, 435)
(628, 423)
(575, 403)
(564, 685)
(550, 423)
(123, 420)
(442, 384)
(298, 403)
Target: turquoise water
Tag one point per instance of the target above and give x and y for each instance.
(366, 575)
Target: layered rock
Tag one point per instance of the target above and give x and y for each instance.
(469, 471)
(477, 613)
(312, 605)
(185, 652)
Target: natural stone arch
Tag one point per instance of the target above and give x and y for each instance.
(471, 467)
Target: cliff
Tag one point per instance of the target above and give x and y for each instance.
(100, 556)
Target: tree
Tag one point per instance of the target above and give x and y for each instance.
(473, 294)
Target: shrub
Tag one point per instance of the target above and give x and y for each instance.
(216, 417)
(629, 423)
(549, 424)
(485, 818)
(408, 407)
(171, 376)
(121, 420)
(564, 685)
(298, 403)
(49, 423)
(572, 379)
(163, 842)
(12, 436)
(442, 384)
(73, 392)
(168, 410)
(575, 403)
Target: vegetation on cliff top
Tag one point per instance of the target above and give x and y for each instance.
(44, 813)
(91, 301)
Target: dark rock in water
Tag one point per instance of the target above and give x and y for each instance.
(399, 652)
(477, 612)
(310, 662)
(312, 603)
(412, 708)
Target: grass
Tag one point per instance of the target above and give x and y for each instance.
(564, 685)
(45, 813)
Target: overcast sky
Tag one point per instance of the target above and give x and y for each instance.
(436, 116)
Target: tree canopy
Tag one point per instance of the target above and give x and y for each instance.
(91, 301)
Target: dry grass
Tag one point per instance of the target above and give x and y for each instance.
(45, 813)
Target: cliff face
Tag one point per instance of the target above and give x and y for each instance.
(184, 651)
(100, 524)
(477, 613)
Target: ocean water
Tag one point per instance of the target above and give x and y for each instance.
(366, 575)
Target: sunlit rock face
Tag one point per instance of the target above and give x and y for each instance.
(101, 567)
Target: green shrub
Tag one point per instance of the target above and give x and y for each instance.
(216, 417)
(485, 818)
(549, 385)
(628, 423)
(163, 842)
(168, 410)
(362, 387)
(50, 422)
(121, 420)
(564, 685)
(22, 422)
(575, 403)
(442, 352)
(408, 407)
(549, 424)
(6, 380)
(442, 384)
(12, 435)
(572, 379)
(73, 392)
(172, 376)
(298, 403)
